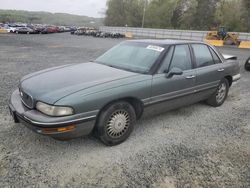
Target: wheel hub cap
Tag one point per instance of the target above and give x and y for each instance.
(221, 93)
(118, 124)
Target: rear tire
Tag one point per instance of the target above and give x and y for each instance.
(220, 95)
(115, 123)
(247, 65)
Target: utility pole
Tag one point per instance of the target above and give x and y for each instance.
(144, 12)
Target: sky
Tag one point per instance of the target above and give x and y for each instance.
(92, 8)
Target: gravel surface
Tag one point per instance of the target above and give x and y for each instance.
(194, 146)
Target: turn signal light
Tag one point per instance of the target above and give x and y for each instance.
(58, 130)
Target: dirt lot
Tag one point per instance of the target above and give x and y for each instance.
(195, 146)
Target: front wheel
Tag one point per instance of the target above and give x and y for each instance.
(115, 123)
(220, 95)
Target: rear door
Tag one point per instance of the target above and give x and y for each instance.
(209, 69)
(173, 88)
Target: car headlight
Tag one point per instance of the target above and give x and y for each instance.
(54, 110)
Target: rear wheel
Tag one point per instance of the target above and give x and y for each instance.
(247, 65)
(220, 95)
(115, 123)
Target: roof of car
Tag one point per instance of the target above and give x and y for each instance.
(164, 41)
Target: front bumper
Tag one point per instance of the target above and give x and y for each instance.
(83, 123)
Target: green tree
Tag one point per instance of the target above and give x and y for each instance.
(205, 14)
(124, 12)
(115, 14)
(187, 18)
(225, 17)
(180, 14)
(159, 13)
(246, 14)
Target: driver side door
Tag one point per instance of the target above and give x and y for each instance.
(170, 92)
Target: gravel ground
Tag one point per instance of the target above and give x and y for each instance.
(194, 146)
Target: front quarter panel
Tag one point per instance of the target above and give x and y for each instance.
(95, 98)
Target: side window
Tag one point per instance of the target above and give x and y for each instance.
(166, 61)
(181, 58)
(202, 55)
(215, 56)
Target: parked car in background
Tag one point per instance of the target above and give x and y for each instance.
(80, 31)
(50, 29)
(25, 30)
(247, 64)
(108, 95)
(8, 28)
(3, 30)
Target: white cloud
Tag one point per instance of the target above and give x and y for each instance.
(81, 7)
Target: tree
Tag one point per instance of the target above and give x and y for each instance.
(246, 14)
(115, 14)
(205, 14)
(180, 14)
(124, 12)
(224, 16)
(159, 13)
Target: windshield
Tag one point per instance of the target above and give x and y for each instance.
(136, 57)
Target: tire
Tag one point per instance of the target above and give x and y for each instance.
(220, 95)
(247, 65)
(228, 42)
(115, 123)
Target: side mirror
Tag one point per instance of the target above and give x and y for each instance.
(174, 71)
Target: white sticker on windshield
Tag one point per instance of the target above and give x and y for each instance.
(156, 48)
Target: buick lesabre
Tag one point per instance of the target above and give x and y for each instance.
(108, 95)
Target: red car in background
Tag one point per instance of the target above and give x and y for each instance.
(50, 29)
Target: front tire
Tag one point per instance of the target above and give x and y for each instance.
(220, 95)
(115, 123)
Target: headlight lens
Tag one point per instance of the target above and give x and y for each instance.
(54, 110)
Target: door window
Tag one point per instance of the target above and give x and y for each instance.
(181, 58)
(202, 55)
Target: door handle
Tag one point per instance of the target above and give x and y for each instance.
(220, 70)
(190, 77)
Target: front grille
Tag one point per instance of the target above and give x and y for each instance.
(27, 99)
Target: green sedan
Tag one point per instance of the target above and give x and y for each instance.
(108, 95)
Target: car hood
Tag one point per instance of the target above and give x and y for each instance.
(53, 84)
